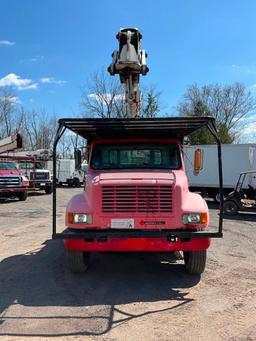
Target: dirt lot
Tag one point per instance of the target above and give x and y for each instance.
(122, 296)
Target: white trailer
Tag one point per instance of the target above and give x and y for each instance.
(236, 158)
(66, 172)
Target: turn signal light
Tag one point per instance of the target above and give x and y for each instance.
(70, 218)
(204, 218)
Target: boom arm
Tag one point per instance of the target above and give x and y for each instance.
(129, 61)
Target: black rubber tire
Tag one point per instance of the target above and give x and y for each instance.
(22, 196)
(230, 207)
(76, 182)
(78, 261)
(195, 261)
(48, 189)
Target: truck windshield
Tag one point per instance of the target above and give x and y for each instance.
(30, 165)
(8, 166)
(136, 156)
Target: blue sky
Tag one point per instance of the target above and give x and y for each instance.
(51, 47)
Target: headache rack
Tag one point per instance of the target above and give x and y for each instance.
(139, 128)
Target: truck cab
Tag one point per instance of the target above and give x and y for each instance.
(39, 177)
(136, 197)
(13, 183)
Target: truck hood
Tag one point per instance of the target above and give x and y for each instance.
(149, 176)
(9, 172)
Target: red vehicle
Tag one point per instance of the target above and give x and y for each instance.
(12, 182)
(136, 195)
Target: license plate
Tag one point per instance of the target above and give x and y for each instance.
(42, 184)
(122, 223)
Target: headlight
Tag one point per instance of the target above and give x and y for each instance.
(79, 218)
(25, 181)
(195, 218)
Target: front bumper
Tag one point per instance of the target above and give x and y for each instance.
(118, 240)
(41, 184)
(9, 190)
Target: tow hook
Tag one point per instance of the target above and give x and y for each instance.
(172, 239)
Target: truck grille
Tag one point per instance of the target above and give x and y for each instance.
(39, 176)
(137, 199)
(9, 181)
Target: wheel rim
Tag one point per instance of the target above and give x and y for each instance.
(217, 197)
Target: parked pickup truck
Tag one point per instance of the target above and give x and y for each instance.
(136, 195)
(12, 182)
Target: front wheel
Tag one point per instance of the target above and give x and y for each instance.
(78, 261)
(230, 207)
(22, 196)
(48, 189)
(76, 182)
(195, 261)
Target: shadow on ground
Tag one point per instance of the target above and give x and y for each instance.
(40, 297)
(6, 200)
(242, 216)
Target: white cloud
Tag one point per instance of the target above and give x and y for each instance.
(12, 99)
(20, 83)
(249, 129)
(51, 80)
(35, 59)
(106, 97)
(248, 133)
(244, 69)
(7, 42)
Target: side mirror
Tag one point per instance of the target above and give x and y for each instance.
(78, 158)
(198, 161)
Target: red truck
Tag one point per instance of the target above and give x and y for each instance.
(136, 195)
(12, 181)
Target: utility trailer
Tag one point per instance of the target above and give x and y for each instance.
(66, 172)
(136, 195)
(237, 158)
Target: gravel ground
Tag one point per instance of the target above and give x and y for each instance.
(122, 296)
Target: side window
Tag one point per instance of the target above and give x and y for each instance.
(96, 158)
(174, 160)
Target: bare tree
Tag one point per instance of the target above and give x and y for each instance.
(103, 96)
(39, 129)
(10, 116)
(228, 104)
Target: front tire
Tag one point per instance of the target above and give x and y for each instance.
(48, 189)
(22, 196)
(76, 182)
(195, 261)
(78, 261)
(230, 207)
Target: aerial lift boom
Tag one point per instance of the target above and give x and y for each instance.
(129, 61)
